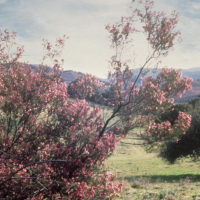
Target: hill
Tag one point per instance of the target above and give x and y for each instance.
(69, 75)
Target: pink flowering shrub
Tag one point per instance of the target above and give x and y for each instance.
(49, 145)
(54, 147)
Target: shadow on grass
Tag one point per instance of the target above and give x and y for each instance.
(166, 178)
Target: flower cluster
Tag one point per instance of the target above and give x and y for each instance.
(165, 130)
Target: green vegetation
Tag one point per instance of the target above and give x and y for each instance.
(146, 176)
(186, 144)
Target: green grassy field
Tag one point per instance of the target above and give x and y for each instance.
(146, 176)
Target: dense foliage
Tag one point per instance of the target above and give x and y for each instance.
(189, 143)
(49, 146)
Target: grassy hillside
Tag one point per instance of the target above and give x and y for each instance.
(146, 176)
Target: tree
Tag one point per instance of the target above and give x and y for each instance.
(194, 101)
(189, 143)
(53, 147)
(86, 87)
(141, 104)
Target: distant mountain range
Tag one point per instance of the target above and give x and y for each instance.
(69, 75)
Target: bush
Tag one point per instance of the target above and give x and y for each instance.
(49, 145)
(189, 143)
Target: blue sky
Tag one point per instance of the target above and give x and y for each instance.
(88, 46)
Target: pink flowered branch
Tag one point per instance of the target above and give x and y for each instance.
(65, 139)
(158, 27)
(7, 42)
(52, 52)
(165, 131)
(153, 94)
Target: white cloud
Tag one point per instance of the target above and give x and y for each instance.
(3, 1)
(88, 46)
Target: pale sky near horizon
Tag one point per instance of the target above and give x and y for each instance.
(88, 47)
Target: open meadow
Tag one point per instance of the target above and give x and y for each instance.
(146, 176)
